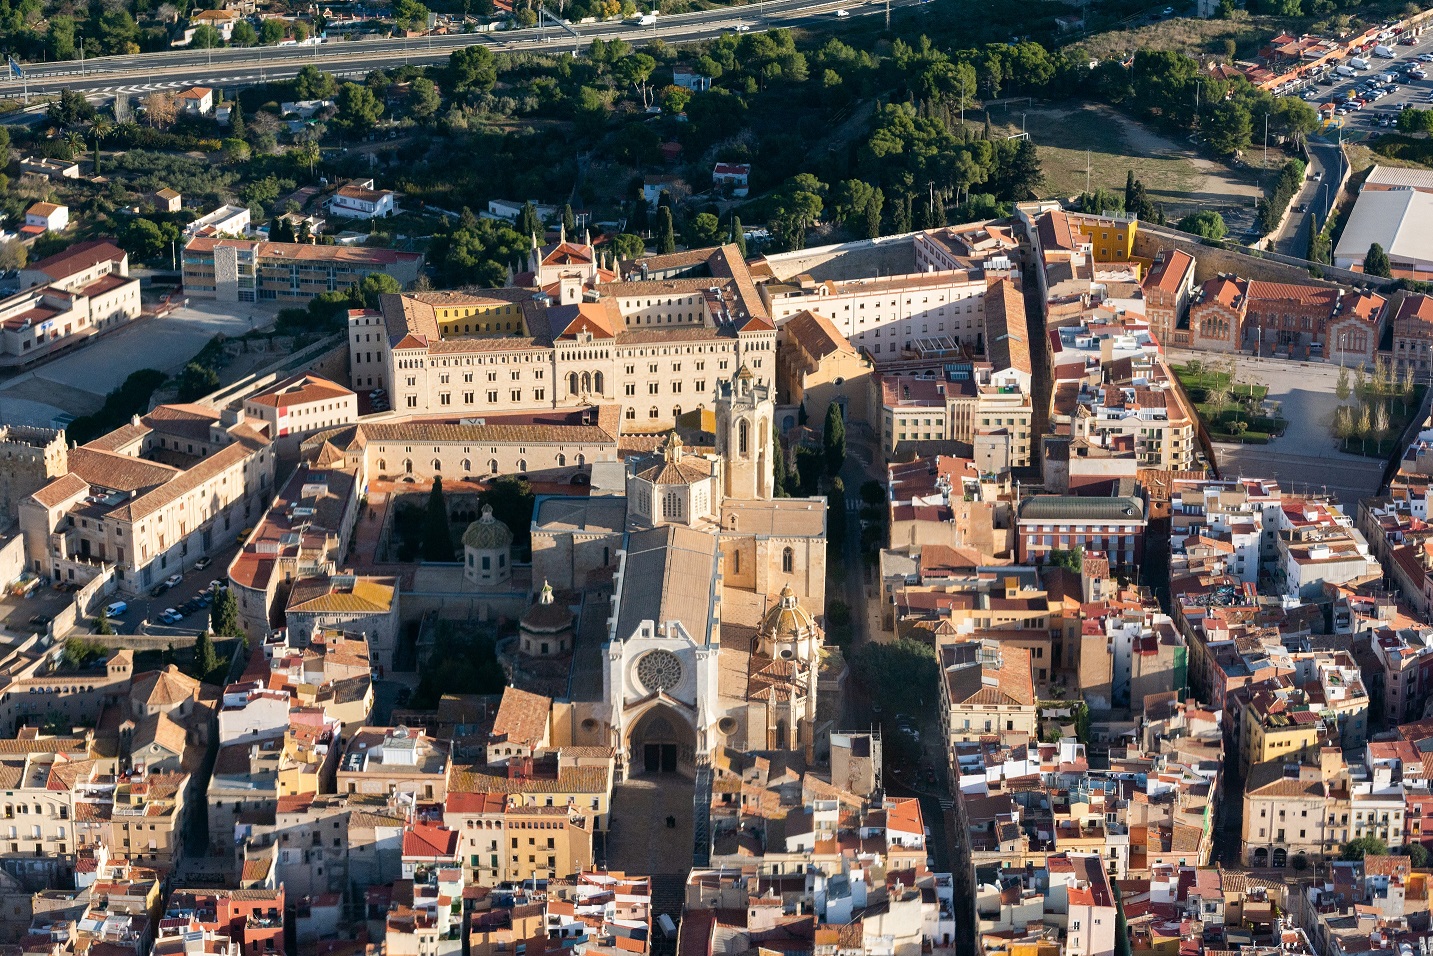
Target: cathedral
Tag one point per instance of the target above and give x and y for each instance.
(714, 591)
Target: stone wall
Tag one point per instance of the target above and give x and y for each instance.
(1266, 266)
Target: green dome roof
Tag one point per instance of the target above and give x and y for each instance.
(487, 533)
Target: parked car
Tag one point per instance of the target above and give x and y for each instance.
(203, 563)
(41, 620)
(173, 579)
(171, 616)
(160, 588)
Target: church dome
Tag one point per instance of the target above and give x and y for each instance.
(546, 616)
(788, 622)
(487, 533)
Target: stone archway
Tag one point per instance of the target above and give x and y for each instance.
(661, 741)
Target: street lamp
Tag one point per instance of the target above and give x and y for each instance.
(1341, 337)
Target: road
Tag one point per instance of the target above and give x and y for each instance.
(145, 72)
(1313, 201)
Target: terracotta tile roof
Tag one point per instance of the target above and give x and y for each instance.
(78, 258)
(1303, 295)
(62, 489)
(163, 688)
(816, 334)
(479, 778)
(1415, 308)
(45, 209)
(119, 472)
(522, 718)
(1007, 342)
(299, 389)
(321, 595)
(1170, 274)
(427, 841)
(367, 255)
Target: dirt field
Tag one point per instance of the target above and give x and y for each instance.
(1172, 173)
(1186, 35)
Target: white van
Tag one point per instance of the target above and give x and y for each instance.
(115, 609)
(1386, 52)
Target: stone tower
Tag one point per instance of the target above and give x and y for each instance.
(30, 458)
(744, 413)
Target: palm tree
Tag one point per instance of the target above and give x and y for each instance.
(75, 143)
(99, 131)
(127, 128)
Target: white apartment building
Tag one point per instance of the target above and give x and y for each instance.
(78, 292)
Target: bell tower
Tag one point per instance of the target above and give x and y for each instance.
(744, 415)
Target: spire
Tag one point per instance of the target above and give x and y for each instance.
(545, 596)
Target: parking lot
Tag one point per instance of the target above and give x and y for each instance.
(1373, 96)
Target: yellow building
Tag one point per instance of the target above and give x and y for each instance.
(1272, 731)
(546, 843)
(1110, 239)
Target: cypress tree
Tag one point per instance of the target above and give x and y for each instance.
(738, 236)
(437, 534)
(666, 235)
(833, 439)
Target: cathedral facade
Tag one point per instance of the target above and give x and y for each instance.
(715, 590)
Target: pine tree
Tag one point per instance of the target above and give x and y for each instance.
(206, 659)
(833, 439)
(437, 533)
(738, 236)
(666, 235)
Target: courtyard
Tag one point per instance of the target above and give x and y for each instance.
(1306, 457)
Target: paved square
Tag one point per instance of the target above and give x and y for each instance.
(1306, 457)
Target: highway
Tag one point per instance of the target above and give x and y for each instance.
(140, 73)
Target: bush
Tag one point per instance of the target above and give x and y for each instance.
(1207, 225)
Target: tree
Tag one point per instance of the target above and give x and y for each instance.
(437, 532)
(103, 625)
(236, 120)
(71, 109)
(1341, 389)
(1072, 559)
(666, 237)
(1228, 126)
(1207, 225)
(1359, 847)
(675, 99)
(60, 38)
(833, 439)
(1343, 425)
(161, 109)
(196, 381)
(116, 31)
(367, 294)
(569, 221)
(244, 34)
(472, 70)
(529, 223)
(626, 246)
(13, 255)
(1362, 425)
(703, 229)
(1375, 262)
(224, 614)
(1418, 856)
(311, 83)
(1381, 424)
(423, 98)
(738, 236)
(206, 659)
(271, 32)
(358, 108)
(1024, 176)
(410, 15)
(236, 151)
(206, 37)
(797, 206)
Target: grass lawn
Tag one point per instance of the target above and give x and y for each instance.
(1233, 420)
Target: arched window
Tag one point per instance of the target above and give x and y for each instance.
(597, 382)
(561, 460)
(581, 460)
(407, 466)
(676, 412)
(382, 466)
(736, 562)
(652, 412)
(522, 466)
(788, 560)
(493, 466)
(437, 466)
(743, 437)
(572, 383)
(467, 466)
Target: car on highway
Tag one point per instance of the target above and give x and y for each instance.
(842, 14)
